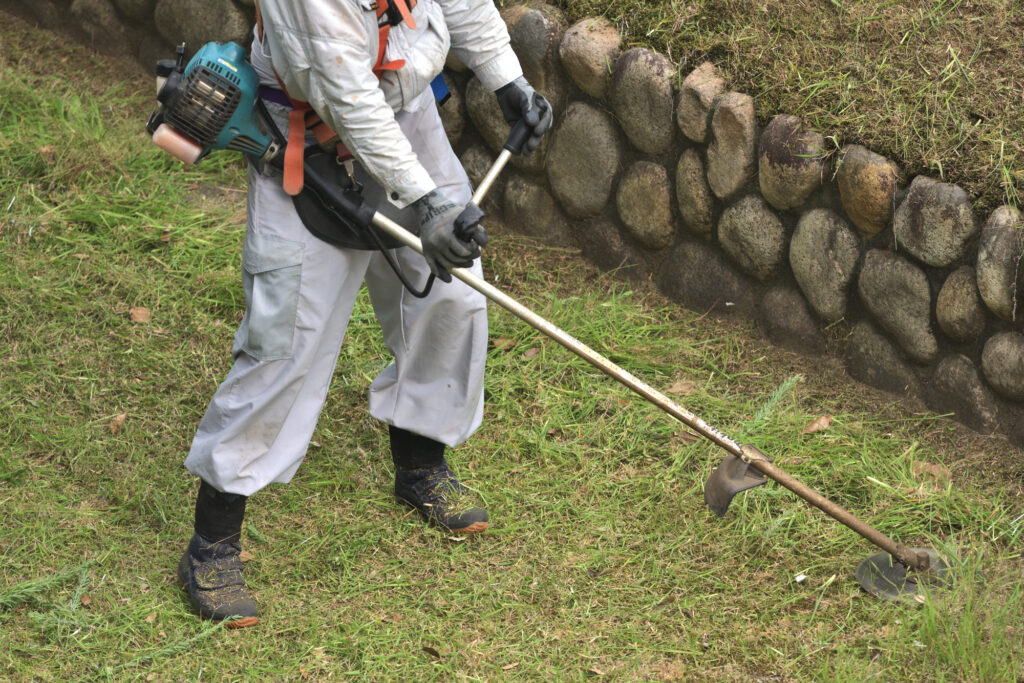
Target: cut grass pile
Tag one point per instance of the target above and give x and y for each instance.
(935, 85)
(118, 272)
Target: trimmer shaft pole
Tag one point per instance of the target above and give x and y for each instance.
(906, 557)
(897, 550)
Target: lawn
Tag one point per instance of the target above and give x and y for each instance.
(120, 286)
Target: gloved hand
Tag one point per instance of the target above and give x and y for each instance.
(442, 249)
(518, 100)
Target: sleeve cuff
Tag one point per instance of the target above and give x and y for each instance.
(410, 186)
(499, 70)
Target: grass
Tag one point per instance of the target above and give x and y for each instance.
(602, 561)
(932, 84)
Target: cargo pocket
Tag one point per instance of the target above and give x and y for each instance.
(274, 266)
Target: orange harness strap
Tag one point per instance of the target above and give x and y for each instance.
(302, 116)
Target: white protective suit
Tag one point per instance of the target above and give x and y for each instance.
(299, 291)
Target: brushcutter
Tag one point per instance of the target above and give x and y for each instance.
(212, 103)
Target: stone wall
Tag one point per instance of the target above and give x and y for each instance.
(667, 175)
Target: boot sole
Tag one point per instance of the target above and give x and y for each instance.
(244, 622)
(474, 528)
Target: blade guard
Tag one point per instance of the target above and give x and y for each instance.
(732, 476)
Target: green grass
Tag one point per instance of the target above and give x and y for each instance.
(935, 85)
(602, 560)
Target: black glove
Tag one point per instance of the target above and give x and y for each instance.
(442, 248)
(518, 100)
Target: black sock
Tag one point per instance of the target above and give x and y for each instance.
(412, 452)
(219, 515)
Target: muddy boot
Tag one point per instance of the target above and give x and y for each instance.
(212, 570)
(424, 481)
(212, 574)
(440, 498)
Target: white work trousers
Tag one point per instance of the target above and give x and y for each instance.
(299, 294)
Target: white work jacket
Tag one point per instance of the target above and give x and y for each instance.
(324, 52)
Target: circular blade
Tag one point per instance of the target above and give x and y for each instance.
(884, 577)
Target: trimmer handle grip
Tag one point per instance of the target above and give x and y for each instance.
(517, 137)
(467, 225)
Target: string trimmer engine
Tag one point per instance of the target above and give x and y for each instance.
(208, 104)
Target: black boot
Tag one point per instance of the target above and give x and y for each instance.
(424, 481)
(212, 569)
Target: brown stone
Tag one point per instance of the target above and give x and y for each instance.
(731, 159)
(588, 50)
(790, 165)
(697, 99)
(867, 187)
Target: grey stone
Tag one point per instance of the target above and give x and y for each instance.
(697, 98)
(484, 112)
(1001, 262)
(588, 51)
(790, 162)
(867, 188)
(694, 198)
(644, 200)
(873, 360)
(701, 279)
(137, 10)
(98, 22)
(585, 154)
(603, 245)
(535, 38)
(787, 321)
(935, 222)
(753, 236)
(896, 293)
(453, 114)
(956, 387)
(1003, 363)
(198, 22)
(731, 160)
(477, 160)
(642, 99)
(823, 254)
(958, 307)
(531, 210)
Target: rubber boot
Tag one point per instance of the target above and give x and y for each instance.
(211, 570)
(424, 481)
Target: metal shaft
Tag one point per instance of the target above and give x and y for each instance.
(568, 341)
(906, 557)
(898, 550)
(492, 174)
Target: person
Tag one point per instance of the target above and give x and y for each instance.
(365, 67)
